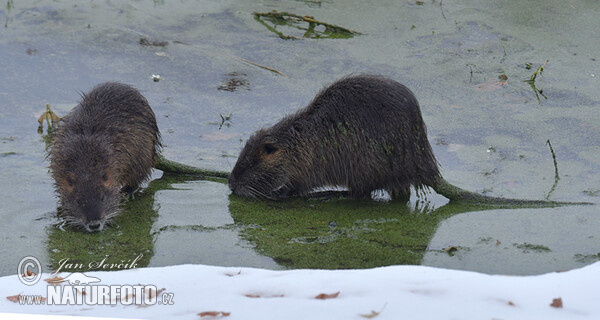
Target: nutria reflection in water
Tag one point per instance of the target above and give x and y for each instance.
(364, 133)
(104, 147)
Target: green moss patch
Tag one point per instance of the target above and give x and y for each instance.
(338, 234)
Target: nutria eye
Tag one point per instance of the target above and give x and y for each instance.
(270, 149)
(69, 181)
(104, 177)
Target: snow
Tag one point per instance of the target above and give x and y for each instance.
(394, 292)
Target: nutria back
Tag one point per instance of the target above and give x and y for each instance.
(105, 146)
(362, 132)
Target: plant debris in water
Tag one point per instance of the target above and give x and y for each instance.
(51, 119)
(556, 175)
(149, 43)
(531, 80)
(303, 26)
(225, 121)
(236, 81)
(527, 247)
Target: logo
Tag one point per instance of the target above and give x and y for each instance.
(77, 288)
(29, 270)
(78, 278)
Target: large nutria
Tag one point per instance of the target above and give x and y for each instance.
(104, 147)
(363, 133)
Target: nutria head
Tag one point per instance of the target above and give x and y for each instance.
(266, 166)
(86, 177)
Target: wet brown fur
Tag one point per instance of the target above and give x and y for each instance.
(105, 146)
(362, 132)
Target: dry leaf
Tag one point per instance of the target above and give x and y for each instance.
(55, 280)
(29, 273)
(14, 298)
(214, 314)
(510, 303)
(324, 296)
(232, 274)
(556, 303)
(256, 295)
(150, 293)
(128, 297)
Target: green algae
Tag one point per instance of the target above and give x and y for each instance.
(340, 233)
(527, 247)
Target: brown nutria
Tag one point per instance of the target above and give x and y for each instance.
(363, 133)
(105, 146)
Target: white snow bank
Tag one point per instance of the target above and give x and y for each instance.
(395, 292)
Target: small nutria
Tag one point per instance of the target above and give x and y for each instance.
(105, 146)
(363, 133)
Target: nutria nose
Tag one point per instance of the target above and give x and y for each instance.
(94, 226)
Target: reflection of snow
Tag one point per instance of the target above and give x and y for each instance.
(397, 292)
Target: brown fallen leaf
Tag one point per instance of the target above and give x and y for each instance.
(55, 280)
(150, 293)
(128, 297)
(324, 296)
(556, 303)
(29, 273)
(234, 274)
(256, 295)
(14, 298)
(510, 303)
(214, 314)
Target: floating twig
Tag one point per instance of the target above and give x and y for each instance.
(264, 67)
(556, 176)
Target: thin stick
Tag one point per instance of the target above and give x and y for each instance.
(556, 176)
(264, 67)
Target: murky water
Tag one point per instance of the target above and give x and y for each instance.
(451, 54)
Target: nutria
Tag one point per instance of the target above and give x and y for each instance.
(363, 133)
(105, 147)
